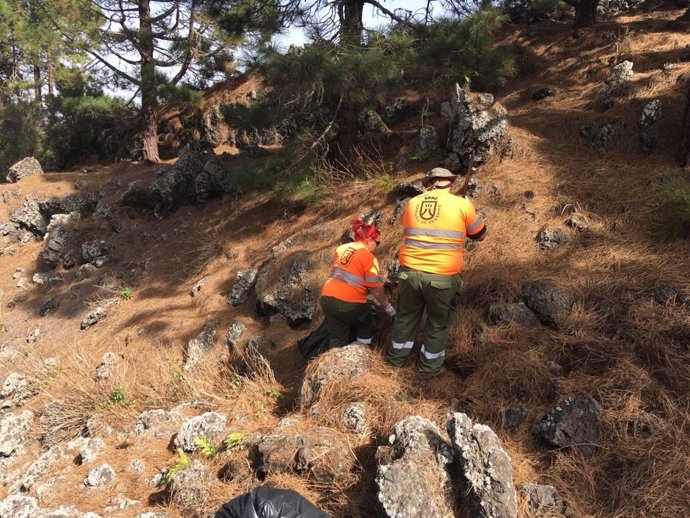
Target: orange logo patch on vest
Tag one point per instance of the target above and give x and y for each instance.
(428, 209)
(347, 256)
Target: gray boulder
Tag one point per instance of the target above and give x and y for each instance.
(370, 121)
(513, 417)
(649, 129)
(543, 501)
(24, 168)
(486, 466)
(355, 419)
(190, 488)
(336, 366)
(94, 316)
(199, 346)
(321, 453)
(13, 430)
(89, 450)
(246, 280)
(617, 83)
(101, 476)
(282, 286)
(235, 333)
(38, 468)
(427, 144)
(599, 135)
(411, 476)
(149, 419)
(551, 303)
(19, 506)
(17, 390)
(476, 124)
(551, 238)
(95, 252)
(29, 217)
(104, 368)
(505, 313)
(212, 122)
(212, 181)
(208, 425)
(574, 423)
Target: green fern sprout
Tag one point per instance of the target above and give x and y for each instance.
(183, 461)
(206, 447)
(234, 439)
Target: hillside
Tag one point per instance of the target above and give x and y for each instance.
(167, 278)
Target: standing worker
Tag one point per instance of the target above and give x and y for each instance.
(436, 223)
(344, 296)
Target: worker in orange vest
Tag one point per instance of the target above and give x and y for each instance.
(435, 223)
(344, 296)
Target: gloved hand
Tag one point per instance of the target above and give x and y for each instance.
(390, 310)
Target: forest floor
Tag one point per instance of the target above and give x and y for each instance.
(620, 345)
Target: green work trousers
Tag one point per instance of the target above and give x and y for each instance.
(419, 291)
(347, 320)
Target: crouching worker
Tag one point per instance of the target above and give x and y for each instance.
(344, 296)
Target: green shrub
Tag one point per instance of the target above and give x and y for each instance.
(673, 216)
(466, 49)
(22, 134)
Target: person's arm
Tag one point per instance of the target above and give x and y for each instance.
(380, 295)
(474, 226)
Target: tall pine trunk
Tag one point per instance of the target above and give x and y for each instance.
(149, 99)
(351, 26)
(586, 13)
(37, 79)
(685, 151)
(49, 72)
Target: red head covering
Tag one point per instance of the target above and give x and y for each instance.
(364, 232)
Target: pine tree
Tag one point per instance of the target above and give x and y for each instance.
(147, 36)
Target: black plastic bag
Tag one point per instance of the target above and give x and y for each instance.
(318, 342)
(269, 502)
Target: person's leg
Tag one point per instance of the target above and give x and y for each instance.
(363, 322)
(438, 293)
(409, 311)
(335, 316)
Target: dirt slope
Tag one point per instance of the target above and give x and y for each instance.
(620, 344)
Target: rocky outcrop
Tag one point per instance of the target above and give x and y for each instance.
(411, 477)
(208, 426)
(476, 123)
(193, 179)
(24, 168)
(246, 280)
(574, 423)
(199, 346)
(283, 287)
(649, 129)
(339, 365)
(319, 453)
(13, 429)
(485, 466)
(551, 303)
(506, 313)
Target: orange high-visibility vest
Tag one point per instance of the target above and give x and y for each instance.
(436, 223)
(354, 270)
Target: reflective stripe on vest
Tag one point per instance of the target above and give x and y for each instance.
(347, 277)
(475, 226)
(434, 246)
(436, 233)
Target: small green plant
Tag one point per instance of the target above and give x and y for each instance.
(234, 439)
(126, 293)
(386, 183)
(117, 397)
(206, 446)
(673, 217)
(183, 461)
(275, 394)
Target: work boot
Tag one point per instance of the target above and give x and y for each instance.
(433, 374)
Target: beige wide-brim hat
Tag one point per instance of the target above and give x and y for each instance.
(439, 173)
